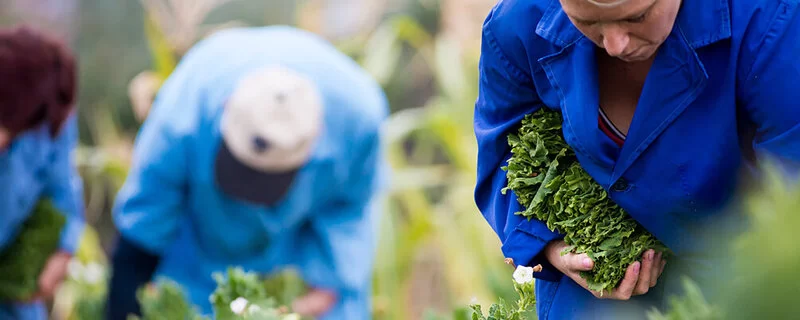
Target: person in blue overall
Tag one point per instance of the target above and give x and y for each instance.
(667, 104)
(262, 150)
(38, 134)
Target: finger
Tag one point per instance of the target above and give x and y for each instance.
(656, 270)
(663, 265)
(579, 262)
(643, 282)
(626, 287)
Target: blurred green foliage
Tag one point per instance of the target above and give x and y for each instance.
(112, 47)
(760, 280)
(24, 259)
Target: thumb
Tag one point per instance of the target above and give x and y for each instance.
(579, 262)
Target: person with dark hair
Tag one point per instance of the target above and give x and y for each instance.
(38, 133)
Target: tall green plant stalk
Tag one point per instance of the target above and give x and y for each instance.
(421, 140)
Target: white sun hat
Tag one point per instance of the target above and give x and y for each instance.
(269, 127)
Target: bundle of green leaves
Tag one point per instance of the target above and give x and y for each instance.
(23, 260)
(165, 299)
(551, 186)
(239, 295)
(235, 284)
(246, 295)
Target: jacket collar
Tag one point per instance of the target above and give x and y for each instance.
(677, 78)
(702, 22)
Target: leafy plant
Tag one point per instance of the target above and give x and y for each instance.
(22, 261)
(88, 308)
(285, 286)
(165, 300)
(761, 280)
(524, 285)
(553, 187)
(246, 295)
(235, 284)
(758, 278)
(239, 295)
(691, 306)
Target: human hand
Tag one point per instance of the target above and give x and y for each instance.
(315, 303)
(639, 277)
(54, 272)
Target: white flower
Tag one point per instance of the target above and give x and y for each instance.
(93, 273)
(474, 300)
(523, 275)
(238, 305)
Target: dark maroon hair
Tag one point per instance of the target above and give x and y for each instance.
(37, 80)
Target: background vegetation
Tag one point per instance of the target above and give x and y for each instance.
(436, 253)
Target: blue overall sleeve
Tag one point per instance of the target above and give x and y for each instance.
(343, 257)
(148, 207)
(770, 72)
(505, 95)
(150, 203)
(65, 186)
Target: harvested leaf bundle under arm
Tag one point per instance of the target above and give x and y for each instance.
(22, 261)
(551, 186)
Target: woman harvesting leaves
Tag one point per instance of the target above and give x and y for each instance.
(663, 102)
(38, 133)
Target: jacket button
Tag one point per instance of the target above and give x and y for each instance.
(620, 185)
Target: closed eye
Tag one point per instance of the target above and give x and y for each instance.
(638, 19)
(585, 22)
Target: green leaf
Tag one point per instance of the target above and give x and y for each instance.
(611, 243)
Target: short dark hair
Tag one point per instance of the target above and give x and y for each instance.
(38, 77)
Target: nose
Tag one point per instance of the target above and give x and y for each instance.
(615, 40)
(260, 145)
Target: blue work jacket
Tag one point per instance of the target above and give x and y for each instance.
(171, 206)
(35, 165)
(727, 66)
